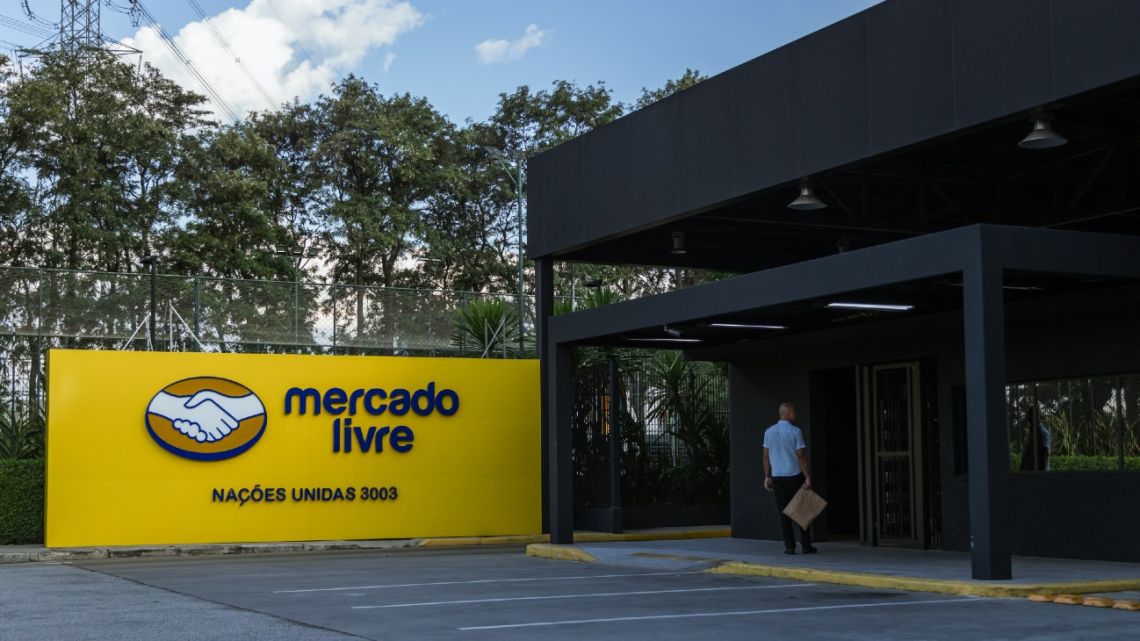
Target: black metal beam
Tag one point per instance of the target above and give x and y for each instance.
(1053, 251)
(909, 259)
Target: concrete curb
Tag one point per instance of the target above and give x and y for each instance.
(916, 584)
(63, 555)
(560, 552)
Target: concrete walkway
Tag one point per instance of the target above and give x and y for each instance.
(852, 564)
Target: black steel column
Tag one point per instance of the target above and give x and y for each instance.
(558, 363)
(615, 447)
(984, 317)
(544, 309)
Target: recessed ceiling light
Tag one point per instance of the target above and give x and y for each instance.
(666, 340)
(874, 306)
(746, 326)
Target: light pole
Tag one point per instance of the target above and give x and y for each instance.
(296, 260)
(503, 158)
(152, 263)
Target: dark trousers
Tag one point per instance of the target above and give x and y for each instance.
(784, 488)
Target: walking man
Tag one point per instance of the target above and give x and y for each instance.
(785, 471)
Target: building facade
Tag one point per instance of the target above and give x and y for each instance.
(932, 209)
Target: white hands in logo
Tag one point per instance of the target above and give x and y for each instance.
(206, 416)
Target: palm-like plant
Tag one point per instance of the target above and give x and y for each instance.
(683, 399)
(489, 327)
(21, 432)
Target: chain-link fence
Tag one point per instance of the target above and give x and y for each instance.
(113, 310)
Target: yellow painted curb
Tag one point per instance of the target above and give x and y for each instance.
(680, 535)
(560, 552)
(1098, 602)
(514, 539)
(1124, 604)
(916, 584)
(579, 537)
(1069, 599)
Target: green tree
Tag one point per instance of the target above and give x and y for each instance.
(469, 222)
(531, 121)
(17, 214)
(103, 140)
(380, 158)
(690, 78)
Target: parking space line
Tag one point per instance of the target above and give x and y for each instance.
(548, 597)
(482, 581)
(694, 615)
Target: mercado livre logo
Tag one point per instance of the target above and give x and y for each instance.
(206, 418)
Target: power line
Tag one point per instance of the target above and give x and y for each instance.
(20, 25)
(34, 18)
(269, 99)
(212, 93)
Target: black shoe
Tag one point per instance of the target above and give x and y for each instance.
(790, 551)
(810, 550)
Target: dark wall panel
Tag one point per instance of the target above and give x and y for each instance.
(898, 74)
(1083, 62)
(562, 192)
(910, 81)
(654, 135)
(1083, 515)
(763, 126)
(606, 167)
(830, 70)
(535, 202)
(704, 172)
(1002, 57)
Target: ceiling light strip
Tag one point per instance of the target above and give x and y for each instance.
(883, 307)
(746, 326)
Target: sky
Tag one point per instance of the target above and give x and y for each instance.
(459, 54)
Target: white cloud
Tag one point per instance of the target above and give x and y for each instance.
(294, 48)
(389, 58)
(492, 51)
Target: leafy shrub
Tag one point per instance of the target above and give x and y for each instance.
(21, 501)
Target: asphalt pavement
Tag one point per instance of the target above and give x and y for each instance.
(492, 593)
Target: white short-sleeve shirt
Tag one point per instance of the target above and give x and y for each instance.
(782, 440)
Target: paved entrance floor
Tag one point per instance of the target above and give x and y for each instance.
(493, 593)
(836, 561)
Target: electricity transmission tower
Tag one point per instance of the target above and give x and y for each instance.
(79, 28)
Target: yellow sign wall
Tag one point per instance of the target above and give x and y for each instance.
(155, 448)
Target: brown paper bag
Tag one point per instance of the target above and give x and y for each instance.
(804, 507)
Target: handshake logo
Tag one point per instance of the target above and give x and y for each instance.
(206, 418)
